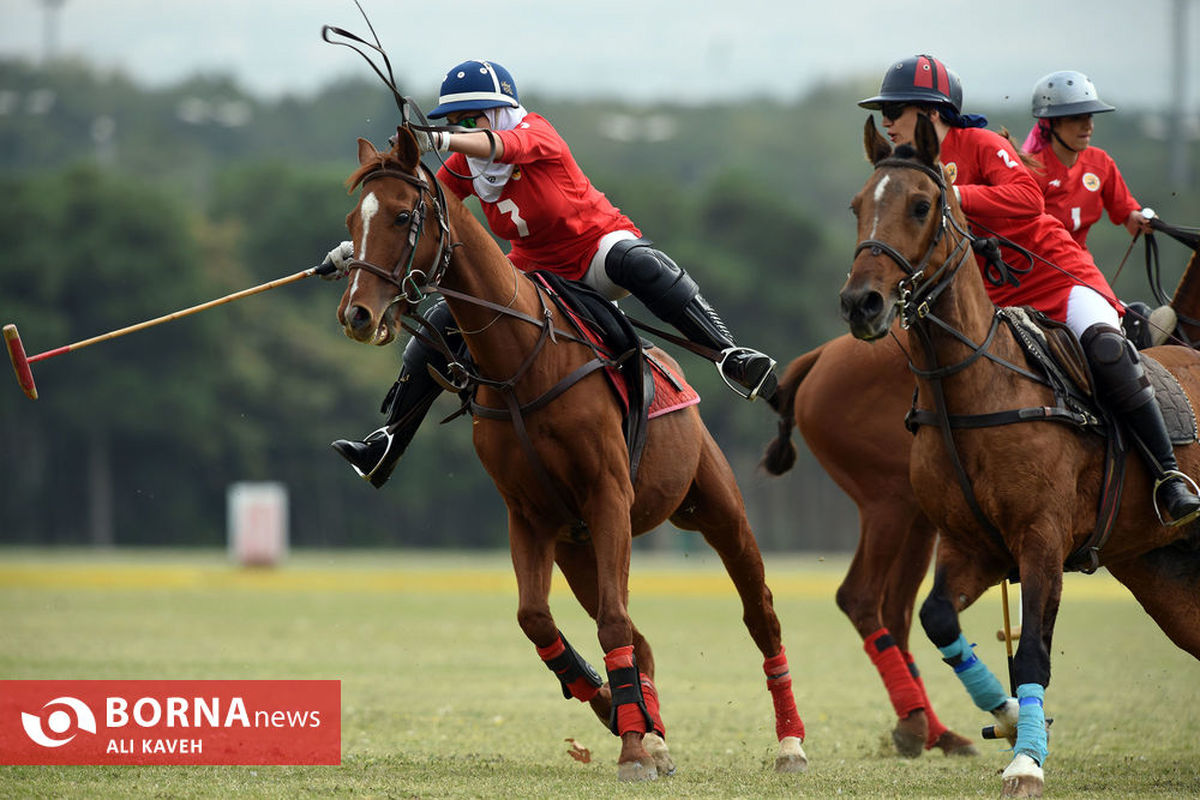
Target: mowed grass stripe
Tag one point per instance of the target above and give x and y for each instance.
(787, 576)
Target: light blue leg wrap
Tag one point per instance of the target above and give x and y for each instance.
(1031, 724)
(979, 681)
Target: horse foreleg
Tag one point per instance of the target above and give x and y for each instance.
(634, 697)
(958, 581)
(715, 508)
(1041, 590)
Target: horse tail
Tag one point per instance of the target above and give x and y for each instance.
(780, 455)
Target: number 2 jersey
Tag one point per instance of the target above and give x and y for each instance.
(1078, 195)
(1000, 197)
(548, 210)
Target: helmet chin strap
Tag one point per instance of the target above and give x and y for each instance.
(1059, 139)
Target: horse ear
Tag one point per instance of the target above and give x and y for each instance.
(926, 141)
(877, 147)
(405, 147)
(366, 152)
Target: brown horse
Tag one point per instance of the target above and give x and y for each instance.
(1036, 485)
(561, 465)
(870, 383)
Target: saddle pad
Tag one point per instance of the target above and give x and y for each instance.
(1176, 406)
(671, 392)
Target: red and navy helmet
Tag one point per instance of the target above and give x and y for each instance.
(920, 79)
(474, 86)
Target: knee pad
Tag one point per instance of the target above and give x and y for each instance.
(651, 276)
(1117, 367)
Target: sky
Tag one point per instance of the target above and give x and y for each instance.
(645, 51)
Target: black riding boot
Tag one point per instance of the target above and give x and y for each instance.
(670, 294)
(1122, 379)
(407, 403)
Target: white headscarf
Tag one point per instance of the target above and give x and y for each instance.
(490, 178)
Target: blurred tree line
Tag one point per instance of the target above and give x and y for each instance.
(120, 203)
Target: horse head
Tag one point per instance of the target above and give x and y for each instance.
(903, 212)
(395, 257)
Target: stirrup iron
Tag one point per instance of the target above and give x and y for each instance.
(1168, 475)
(742, 391)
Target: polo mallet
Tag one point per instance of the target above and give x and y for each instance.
(21, 363)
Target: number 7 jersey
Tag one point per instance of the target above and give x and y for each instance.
(548, 210)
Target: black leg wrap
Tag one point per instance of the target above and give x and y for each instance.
(626, 686)
(569, 666)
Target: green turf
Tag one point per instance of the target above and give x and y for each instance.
(444, 698)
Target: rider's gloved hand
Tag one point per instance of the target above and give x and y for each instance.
(433, 141)
(339, 259)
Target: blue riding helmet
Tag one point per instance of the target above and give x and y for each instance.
(474, 86)
(919, 79)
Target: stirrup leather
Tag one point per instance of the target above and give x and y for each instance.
(752, 393)
(1167, 476)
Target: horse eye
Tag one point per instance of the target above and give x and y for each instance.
(921, 209)
(403, 217)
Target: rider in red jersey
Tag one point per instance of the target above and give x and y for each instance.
(534, 195)
(1000, 197)
(1080, 182)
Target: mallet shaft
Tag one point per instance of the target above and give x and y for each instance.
(174, 315)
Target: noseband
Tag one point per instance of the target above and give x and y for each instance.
(412, 283)
(916, 293)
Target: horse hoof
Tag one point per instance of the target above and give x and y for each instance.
(952, 744)
(909, 734)
(656, 747)
(791, 756)
(1023, 778)
(632, 771)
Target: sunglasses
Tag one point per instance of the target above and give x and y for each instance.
(468, 122)
(892, 110)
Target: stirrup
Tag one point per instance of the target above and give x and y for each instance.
(744, 391)
(369, 475)
(1169, 475)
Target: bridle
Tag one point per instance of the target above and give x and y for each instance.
(917, 294)
(414, 283)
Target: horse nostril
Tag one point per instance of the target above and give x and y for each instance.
(358, 318)
(861, 305)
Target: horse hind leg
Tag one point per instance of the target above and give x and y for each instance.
(714, 507)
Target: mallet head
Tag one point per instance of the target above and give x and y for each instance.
(16, 354)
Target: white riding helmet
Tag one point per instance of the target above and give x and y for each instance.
(1065, 94)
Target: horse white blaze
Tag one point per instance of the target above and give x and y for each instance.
(367, 210)
(879, 190)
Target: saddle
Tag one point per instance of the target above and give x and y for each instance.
(1054, 348)
(643, 387)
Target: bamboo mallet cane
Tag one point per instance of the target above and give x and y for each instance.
(21, 363)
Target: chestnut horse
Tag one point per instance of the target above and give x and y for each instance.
(1036, 485)
(870, 383)
(561, 465)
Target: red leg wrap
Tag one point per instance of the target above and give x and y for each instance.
(936, 728)
(650, 695)
(905, 694)
(630, 705)
(580, 688)
(779, 682)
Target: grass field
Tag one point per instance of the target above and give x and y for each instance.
(443, 697)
